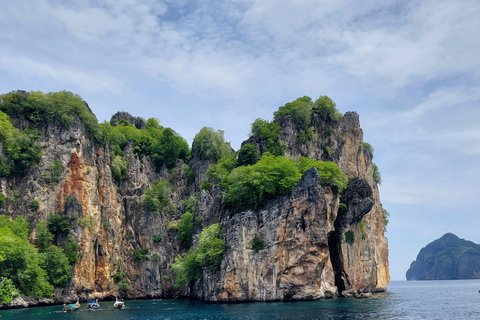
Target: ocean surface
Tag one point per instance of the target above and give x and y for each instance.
(459, 299)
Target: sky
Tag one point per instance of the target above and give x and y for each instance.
(411, 69)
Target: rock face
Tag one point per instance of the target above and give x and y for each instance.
(446, 258)
(305, 256)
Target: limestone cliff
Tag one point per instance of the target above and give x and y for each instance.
(306, 255)
(446, 258)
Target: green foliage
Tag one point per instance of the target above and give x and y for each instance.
(362, 230)
(209, 144)
(330, 174)
(18, 226)
(305, 135)
(157, 197)
(222, 169)
(54, 171)
(329, 151)
(163, 145)
(377, 177)
(141, 254)
(342, 208)
(8, 291)
(210, 247)
(58, 224)
(118, 169)
(71, 251)
(34, 205)
(57, 265)
(386, 218)
(124, 287)
(300, 109)
(368, 147)
(253, 186)
(205, 185)
(208, 254)
(20, 261)
(186, 268)
(349, 237)
(13, 196)
(3, 199)
(157, 238)
(61, 107)
(43, 236)
(269, 132)
(189, 173)
(70, 199)
(118, 276)
(21, 148)
(86, 222)
(188, 205)
(185, 229)
(326, 107)
(155, 257)
(173, 147)
(247, 155)
(257, 244)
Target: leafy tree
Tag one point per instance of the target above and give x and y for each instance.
(189, 266)
(71, 251)
(8, 291)
(43, 236)
(377, 177)
(173, 147)
(157, 197)
(118, 168)
(330, 174)
(300, 109)
(252, 186)
(269, 132)
(325, 106)
(210, 144)
(185, 229)
(210, 247)
(257, 244)
(58, 224)
(247, 155)
(19, 261)
(386, 218)
(188, 205)
(186, 268)
(57, 265)
(61, 107)
(22, 148)
(141, 254)
(222, 169)
(18, 226)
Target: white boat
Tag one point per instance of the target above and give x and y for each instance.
(119, 304)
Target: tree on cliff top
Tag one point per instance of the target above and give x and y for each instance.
(209, 144)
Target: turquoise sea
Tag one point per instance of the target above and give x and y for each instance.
(458, 299)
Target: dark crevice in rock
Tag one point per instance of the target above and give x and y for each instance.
(358, 198)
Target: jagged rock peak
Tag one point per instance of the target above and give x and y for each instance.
(117, 118)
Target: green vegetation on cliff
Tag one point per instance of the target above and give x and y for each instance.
(210, 145)
(208, 254)
(446, 258)
(252, 186)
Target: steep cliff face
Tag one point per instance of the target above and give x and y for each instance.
(305, 254)
(446, 258)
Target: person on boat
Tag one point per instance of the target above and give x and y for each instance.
(77, 304)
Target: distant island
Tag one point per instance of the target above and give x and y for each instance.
(447, 258)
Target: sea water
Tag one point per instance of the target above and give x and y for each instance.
(459, 299)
